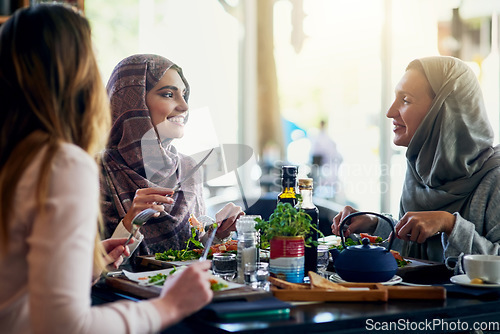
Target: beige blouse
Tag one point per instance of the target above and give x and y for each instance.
(45, 279)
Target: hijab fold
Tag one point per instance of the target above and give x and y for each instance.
(452, 149)
(135, 158)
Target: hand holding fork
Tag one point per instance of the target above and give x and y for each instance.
(140, 219)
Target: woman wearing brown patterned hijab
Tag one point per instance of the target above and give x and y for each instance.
(140, 166)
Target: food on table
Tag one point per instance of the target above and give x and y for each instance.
(319, 282)
(160, 279)
(194, 248)
(399, 259)
(373, 238)
(177, 255)
(476, 281)
(216, 285)
(228, 246)
(196, 223)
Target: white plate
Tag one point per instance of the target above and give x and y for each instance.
(394, 280)
(465, 281)
(331, 240)
(142, 277)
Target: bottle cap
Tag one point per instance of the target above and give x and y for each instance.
(246, 223)
(306, 183)
(289, 171)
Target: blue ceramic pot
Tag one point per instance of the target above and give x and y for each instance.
(366, 263)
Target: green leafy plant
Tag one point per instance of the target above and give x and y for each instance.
(286, 221)
(183, 254)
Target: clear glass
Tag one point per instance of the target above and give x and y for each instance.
(323, 258)
(248, 252)
(224, 265)
(257, 275)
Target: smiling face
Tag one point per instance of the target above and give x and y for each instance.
(413, 101)
(167, 105)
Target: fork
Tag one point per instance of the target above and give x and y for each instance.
(357, 235)
(139, 220)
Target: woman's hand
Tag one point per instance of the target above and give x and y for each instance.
(184, 293)
(145, 198)
(418, 226)
(226, 219)
(362, 223)
(115, 251)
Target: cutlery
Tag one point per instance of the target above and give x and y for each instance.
(358, 236)
(412, 284)
(377, 243)
(209, 243)
(139, 220)
(192, 171)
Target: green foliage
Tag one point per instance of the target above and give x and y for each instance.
(158, 279)
(348, 242)
(183, 254)
(285, 221)
(194, 239)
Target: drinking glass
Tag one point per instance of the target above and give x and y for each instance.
(323, 258)
(224, 265)
(257, 274)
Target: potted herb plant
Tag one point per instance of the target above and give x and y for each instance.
(286, 233)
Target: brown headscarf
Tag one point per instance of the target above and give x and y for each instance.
(452, 149)
(135, 158)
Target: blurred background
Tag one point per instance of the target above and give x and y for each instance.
(301, 82)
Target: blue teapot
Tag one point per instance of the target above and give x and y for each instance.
(365, 262)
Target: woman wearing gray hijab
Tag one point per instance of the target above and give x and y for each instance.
(450, 202)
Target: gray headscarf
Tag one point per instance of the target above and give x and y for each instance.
(452, 149)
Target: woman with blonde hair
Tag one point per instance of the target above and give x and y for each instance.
(55, 116)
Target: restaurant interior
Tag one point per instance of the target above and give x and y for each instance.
(281, 67)
(264, 74)
(275, 69)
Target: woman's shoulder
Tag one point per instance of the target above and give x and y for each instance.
(72, 155)
(186, 160)
(493, 176)
(489, 185)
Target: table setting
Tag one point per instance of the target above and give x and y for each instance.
(262, 301)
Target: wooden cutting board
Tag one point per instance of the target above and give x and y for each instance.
(370, 292)
(375, 292)
(150, 263)
(124, 285)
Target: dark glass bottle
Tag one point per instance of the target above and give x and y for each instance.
(310, 253)
(288, 185)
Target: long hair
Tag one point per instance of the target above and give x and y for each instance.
(51, 92)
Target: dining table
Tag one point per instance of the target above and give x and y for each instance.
(463, 309)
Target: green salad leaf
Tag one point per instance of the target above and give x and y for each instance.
(183, 254)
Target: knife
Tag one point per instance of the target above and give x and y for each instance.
(192, 171)
(209, 243)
